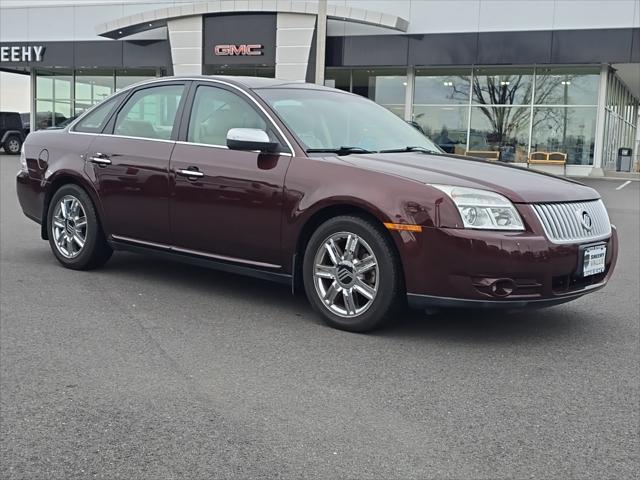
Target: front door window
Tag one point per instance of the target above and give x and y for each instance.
(216, 111)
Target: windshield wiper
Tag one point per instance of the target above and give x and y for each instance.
(410, 149)
(339, 151)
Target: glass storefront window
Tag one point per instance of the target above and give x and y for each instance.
(62, 85)
(63, 94)
(127, 77)
(338, 78)
(440, 107)
(444, 125)
(621, 121)
(386, 87)
(515, 111)
(502, 86)
(91, 87)
(567, 86)
(257, 71)
(62, 108)
(44, 114)
(441, 87)
(53, 98)
(44, 85)
(503, 129)
(570, 130)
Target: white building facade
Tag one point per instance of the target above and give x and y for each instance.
(511, 77)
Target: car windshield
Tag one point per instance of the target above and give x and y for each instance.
(334, 121)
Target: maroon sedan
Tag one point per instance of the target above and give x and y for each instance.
(312, 187)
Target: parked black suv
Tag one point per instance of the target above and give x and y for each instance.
(26, 123)
(11, 132)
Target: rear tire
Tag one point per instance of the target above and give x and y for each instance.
(75, 234)
(352, 274)
(12, 145)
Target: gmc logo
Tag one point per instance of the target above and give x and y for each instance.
(230, 50)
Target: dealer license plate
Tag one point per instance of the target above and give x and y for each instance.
(593, 262)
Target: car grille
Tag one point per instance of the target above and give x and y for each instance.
(569, 222)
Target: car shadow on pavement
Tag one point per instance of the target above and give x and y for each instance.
(488, 326)
(482, 326)
(159, 270)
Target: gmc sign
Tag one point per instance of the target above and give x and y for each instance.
(238, 50)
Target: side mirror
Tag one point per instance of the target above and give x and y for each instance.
(250, 139)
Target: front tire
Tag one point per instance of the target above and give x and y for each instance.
(75, 235)
(352, 274)
(12, 145)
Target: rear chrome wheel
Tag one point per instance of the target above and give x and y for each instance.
(69, 226)
(346, 274)
(75, 234)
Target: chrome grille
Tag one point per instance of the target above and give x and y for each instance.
(568, 222)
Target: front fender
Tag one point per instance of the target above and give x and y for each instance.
(316, 184)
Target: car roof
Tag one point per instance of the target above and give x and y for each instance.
(242, 81)
(252, 82)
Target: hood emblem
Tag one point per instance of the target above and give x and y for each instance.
(585, 219)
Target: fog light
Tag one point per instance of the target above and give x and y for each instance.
(503, 287)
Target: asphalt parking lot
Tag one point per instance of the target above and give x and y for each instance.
(152, 369)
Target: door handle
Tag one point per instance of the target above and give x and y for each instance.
(100, 159)
(189, 173)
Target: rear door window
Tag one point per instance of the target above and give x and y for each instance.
(150, 113)
(95, 120)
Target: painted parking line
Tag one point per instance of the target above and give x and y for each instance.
(623, 185)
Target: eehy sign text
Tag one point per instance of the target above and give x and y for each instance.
(26, 53)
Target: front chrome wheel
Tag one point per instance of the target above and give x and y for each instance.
(69, 226)
(345, 273)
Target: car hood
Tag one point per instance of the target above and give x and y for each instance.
(518, 184)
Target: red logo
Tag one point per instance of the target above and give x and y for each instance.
(233, 50)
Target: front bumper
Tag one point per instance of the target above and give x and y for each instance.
(459, 267)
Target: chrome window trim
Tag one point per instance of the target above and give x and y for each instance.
(212, 145)
(123, 136)
(185, 79)
(224, 147)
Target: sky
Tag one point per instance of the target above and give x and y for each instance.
(14, 92)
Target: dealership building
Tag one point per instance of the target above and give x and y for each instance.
(506, 79)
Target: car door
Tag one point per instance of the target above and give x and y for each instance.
(130, 163)
(226, 203)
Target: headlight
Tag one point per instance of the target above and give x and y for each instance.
(23, 162)
(483, 209)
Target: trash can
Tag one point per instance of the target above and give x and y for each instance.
(623, 163)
